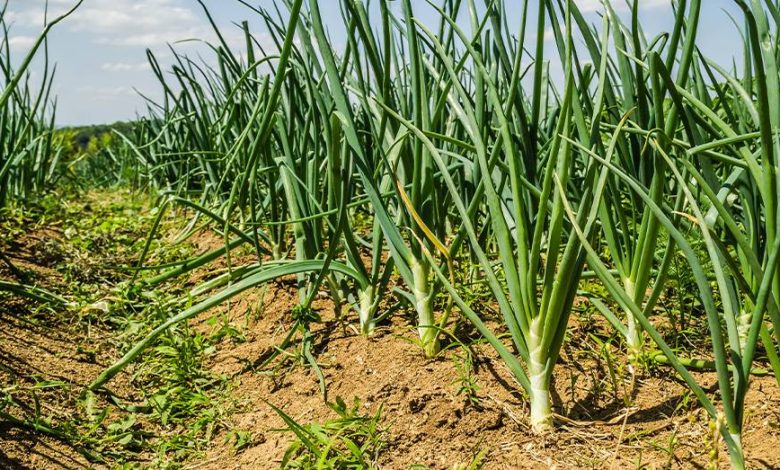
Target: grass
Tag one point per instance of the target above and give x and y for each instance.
(171, 406)
(352, 440)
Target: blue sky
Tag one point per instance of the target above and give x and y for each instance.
(100, 50)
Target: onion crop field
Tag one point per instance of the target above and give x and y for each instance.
(420, 246)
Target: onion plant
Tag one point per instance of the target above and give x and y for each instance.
(204, 140)
(541, 260)
(416, 217)
(725, 166)
(306, 172)
(631, 233)
(259, 126)
(28, 158)
(316, 164)
(412, 147)
(733, 357)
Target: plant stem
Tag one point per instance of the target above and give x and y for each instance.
(541, 406)
(634, 337)
(367, 310)
(736, 453)
(423, 296)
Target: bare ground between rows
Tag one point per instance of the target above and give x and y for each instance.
(49, 356)
(426, 421)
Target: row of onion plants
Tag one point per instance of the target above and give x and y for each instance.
(387, 166)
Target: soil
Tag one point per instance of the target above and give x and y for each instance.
(35, 349)
(430, 424)
(427, 423)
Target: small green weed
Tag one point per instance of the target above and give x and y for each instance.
(353, 440)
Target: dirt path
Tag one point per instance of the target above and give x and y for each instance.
(47, 354)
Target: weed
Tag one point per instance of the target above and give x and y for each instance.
(353, 440)
(176, 405)
(240, 440)
(467, 380)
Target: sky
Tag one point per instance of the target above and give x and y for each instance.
(100, 51)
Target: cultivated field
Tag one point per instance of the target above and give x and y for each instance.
(414, 248)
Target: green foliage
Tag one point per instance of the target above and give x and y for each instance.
(353, 440)
(27, 156)
(97, 156)
(176, 406)
(638, 161)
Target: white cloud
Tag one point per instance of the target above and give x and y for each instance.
(145, 23)
(21, 42)
(124, 66)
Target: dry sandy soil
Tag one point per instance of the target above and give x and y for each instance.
(427, 423)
